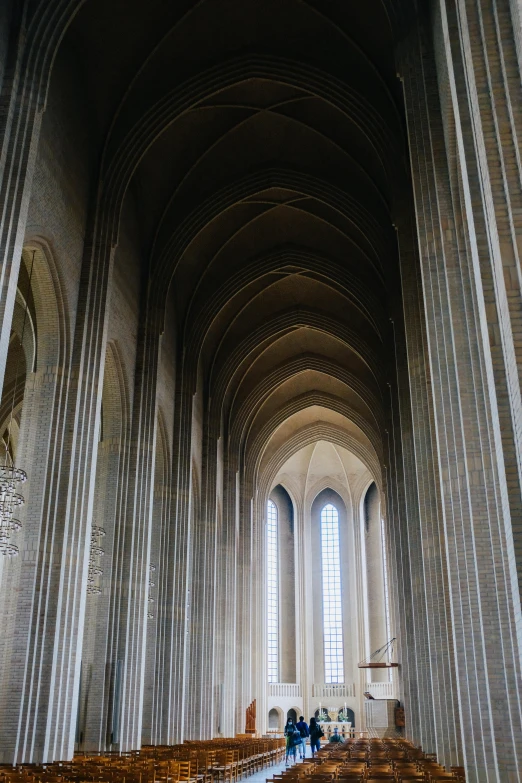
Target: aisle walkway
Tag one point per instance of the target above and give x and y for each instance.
(268, 772)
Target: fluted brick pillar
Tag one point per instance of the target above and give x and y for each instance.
(134, 575)
(178, 576)
(98, 666)
(42, 695)
(403, 531)
(203, 596)
(41, 560)
(442, 704)
(259, 613)
(244, 690)
(99, 663)
(456, 189)
(375, 579)
(231, 653)
(155, 721)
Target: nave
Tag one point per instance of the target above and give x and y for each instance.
(261, 363)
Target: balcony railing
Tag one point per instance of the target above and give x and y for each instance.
(284, 689)
(382, 690)
(334, 690)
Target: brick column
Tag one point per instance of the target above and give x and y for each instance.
(155, 722)
(204, 541)
(98, 664)
(230, 533)
(96, 713)
(403, 532)
(359, 582)
(442, 701)
(131, 623)
(50, 613)
(177, 578)
(304, 626)
(375, 579)
(25, 615)
(461, 309)
(244, 590)
(258, 604)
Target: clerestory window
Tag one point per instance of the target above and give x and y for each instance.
(332, 607)
(272, 592)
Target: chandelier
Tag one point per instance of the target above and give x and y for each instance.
(10, 500)
(152, 568)
(95, 552)
(10, 476)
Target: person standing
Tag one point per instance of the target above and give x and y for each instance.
(336, 737)
(316, 733)
(304, 733)
(291, 745)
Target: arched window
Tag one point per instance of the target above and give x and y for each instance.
(332, 607)
(272, 592)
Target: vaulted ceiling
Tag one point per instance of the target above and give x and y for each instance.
(263, 144)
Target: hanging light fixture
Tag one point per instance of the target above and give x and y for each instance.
(95, 552)
(10, 500)
(10, 475)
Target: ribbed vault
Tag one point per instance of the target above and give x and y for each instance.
(266, 163)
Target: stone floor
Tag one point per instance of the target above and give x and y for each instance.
(267, 773)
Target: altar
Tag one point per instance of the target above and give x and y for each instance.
(344, 728)
(330, 718)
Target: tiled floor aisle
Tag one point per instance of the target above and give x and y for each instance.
(268, 772)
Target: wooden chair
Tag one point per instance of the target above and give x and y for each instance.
(225, 767)
(327, 769)
(206, 759)
(350, 766)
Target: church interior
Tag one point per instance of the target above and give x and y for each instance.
(260, 361)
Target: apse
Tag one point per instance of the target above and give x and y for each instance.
(326, 601)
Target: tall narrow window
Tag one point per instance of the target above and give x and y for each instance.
(332, 608)
(273, 593)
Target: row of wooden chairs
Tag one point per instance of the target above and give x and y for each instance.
(214, 761)
(371, 760)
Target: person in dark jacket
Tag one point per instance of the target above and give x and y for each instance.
(316, 733)
(293, 738)
(304, 732)
(336, 737)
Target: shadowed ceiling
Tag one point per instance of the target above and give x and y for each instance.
(263, 144)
